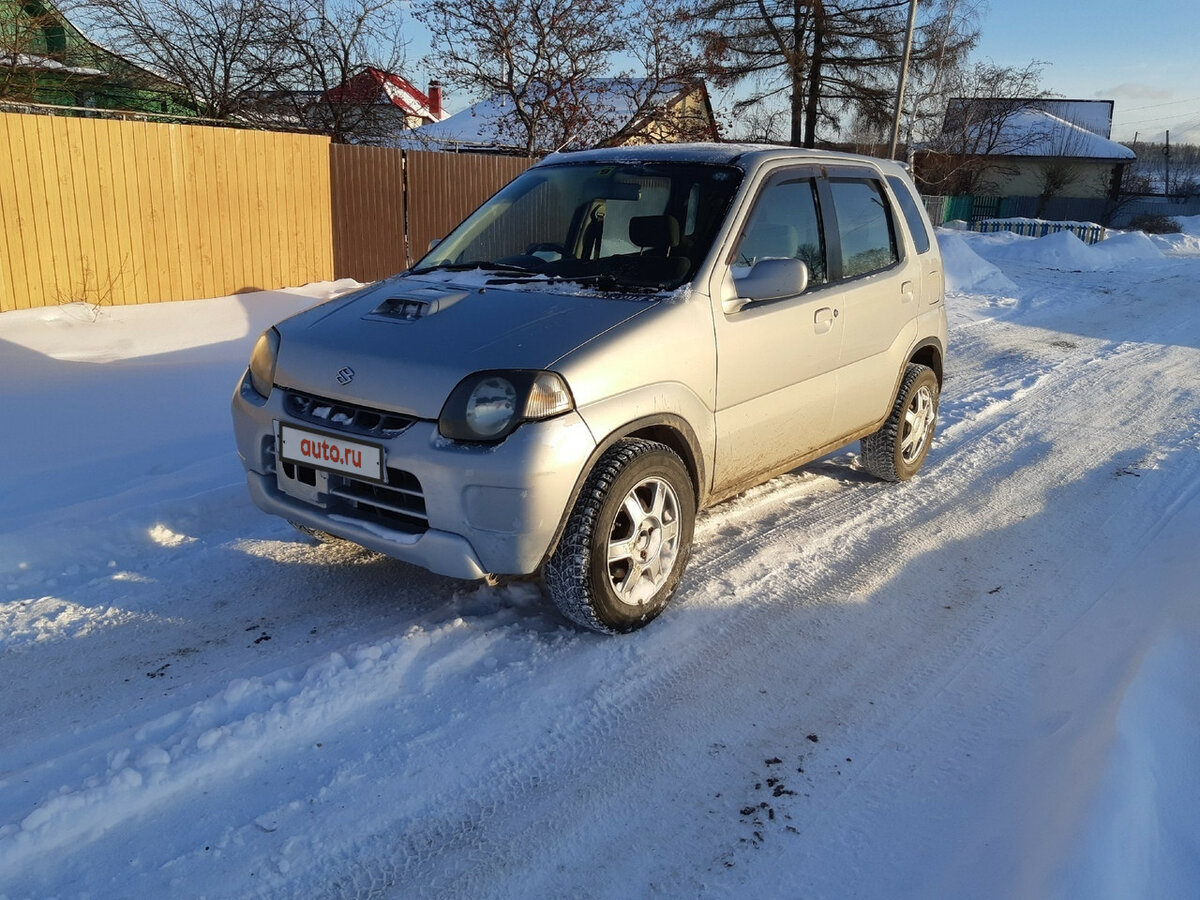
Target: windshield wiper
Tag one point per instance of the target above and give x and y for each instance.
(604, 282)
(473, 264)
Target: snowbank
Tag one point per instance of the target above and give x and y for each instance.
(1189, 224)
(82, 332)
(1177, 244)
(1066, 252)
(966, 270)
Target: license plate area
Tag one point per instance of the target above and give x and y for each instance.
(331, 453)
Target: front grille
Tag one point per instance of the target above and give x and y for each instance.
(398, 504)
(346, 416)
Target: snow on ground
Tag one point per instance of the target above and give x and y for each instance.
(1186, 243)
(981, 683)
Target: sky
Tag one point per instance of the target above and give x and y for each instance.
(1145, 58)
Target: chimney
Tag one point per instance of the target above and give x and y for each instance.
(435, 100)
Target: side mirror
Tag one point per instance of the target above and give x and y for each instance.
(769, 279)
(434, 243)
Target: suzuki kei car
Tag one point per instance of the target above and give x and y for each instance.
(615, 340)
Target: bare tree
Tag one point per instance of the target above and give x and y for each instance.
(1148, 173)
(548, 64)
(332, 42)
(659, 36)
(829, 58)
(223, 53)
(983, 127)
(36, 62)
(948, 36)
(1063, 165)
(760, 123)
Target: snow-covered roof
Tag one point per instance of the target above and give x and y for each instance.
(1093, 115)
(1035, 132)
(46, 64)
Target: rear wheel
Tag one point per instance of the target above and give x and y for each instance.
(626, 541)
(895, 452)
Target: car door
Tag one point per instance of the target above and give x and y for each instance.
(777, 359)
(879, 284)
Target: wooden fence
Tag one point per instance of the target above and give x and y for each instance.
(368, 211)
(107, 211)
(114, 212)
(445, 187)
(388, 204)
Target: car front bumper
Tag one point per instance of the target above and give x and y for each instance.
(461, 510)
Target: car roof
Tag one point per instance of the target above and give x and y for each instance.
(742, 155)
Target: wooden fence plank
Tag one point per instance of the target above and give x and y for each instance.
(16, 204)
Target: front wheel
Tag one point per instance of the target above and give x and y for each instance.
(895, 452)
(626, 541)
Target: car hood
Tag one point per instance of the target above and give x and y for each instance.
(403, 344)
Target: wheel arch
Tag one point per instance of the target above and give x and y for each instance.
(670, 430)
(928, 353)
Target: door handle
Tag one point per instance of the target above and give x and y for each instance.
(823, 319)
(906, 292)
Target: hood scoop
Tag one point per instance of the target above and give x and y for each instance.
(415, 304)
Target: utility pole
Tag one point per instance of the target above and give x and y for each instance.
(908, 42)
(1167, 167)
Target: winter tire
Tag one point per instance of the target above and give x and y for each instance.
(895, 452)
(626, 541)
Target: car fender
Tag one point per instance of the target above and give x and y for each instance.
(670, 428)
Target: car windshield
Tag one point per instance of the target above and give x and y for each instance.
(618, 226)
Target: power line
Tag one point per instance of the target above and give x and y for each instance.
(1124, 124)
(1157, 105)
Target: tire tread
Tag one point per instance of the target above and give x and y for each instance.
(878, 450)
(566, 577)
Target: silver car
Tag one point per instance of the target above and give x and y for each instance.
(615, 340)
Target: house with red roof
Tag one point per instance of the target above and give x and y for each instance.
(389, 91)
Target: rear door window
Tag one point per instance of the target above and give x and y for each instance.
(866, 231)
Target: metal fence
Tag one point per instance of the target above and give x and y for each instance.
(388, 204)
(972, 208)
(1089, 234)
(1154, 206)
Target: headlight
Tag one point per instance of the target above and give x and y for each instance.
(262, 362)
(488, 406)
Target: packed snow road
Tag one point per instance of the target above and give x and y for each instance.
(978, 683)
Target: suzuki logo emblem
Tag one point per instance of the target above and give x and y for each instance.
(345, 375)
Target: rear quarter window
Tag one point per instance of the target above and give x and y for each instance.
(912, 215)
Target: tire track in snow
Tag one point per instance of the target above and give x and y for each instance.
(850, 520)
